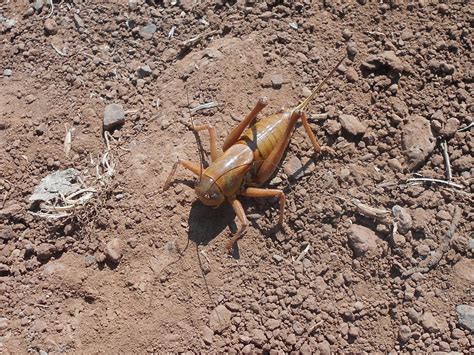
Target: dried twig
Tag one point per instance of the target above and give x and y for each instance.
(433, 260)
(439, 181)
(207, 105)
(68, 140)
(444, 148)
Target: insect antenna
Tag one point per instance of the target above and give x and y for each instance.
(198, 139)
(306, 101)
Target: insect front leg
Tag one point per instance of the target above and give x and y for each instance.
(239, 211)
(193, 167)
(258, 192)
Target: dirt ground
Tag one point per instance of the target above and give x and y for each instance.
(140, 270)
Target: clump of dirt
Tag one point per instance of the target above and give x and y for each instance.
(368, 260)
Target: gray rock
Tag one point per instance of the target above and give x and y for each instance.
(272, 324)
(50, 27)
(298, 328)
(7, 72)
(79, 22)
(403, 218)
(113, 250)
(324, 348)
(147, 32)
(207, 334)
(38, 5)
(258, 337)
(293, 168)
(3, 323)
(332, 127)
(429, 322)
(352, 125)
(362, 240)
(220, 319)
(404, 333)
(114, 116)
(417, 141)
(52, 186)
(89, 260)
(277, 81)
(144, 71)
(466, 316)
(277, 258)
(352, 75)
(132, 5)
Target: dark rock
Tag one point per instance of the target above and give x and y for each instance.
(44, 251)
(4, 270)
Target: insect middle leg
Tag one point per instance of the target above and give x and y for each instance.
(212, 138)
(239, 211)
(317, 147)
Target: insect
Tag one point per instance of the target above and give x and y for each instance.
(251, 153)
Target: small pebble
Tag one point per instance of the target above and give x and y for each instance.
(277, 81)
(114, 116)
(113, 250)
(50, 27)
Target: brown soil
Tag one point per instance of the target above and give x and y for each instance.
(405, 86)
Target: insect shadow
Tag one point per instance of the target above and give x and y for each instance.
(207, 223)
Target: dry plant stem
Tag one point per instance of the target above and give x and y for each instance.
(370, 212)
(436, 257)
(204, 106)
(58, 51)
(444, 147)
(467, 128)
(422, 179)
(303, 254)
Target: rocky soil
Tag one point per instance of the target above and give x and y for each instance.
(368, 260)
